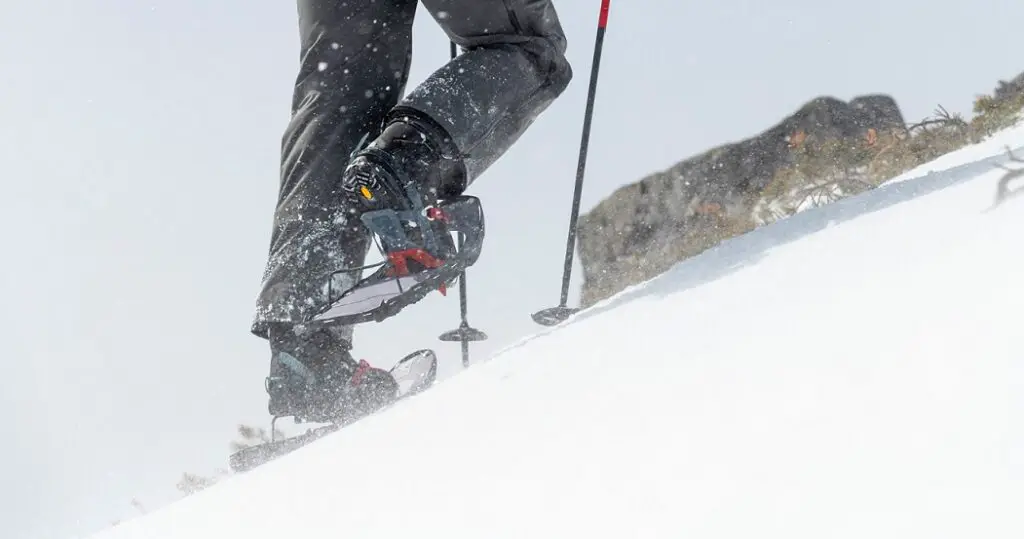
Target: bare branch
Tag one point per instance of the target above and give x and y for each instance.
(942, 117)
(1003, 191)
(954, 119)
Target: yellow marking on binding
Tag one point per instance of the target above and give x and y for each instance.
(366, 193)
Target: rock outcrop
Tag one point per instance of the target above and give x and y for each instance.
(644, 228)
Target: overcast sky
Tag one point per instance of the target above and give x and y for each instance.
(139, 143)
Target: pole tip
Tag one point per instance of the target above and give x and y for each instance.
(554, 315)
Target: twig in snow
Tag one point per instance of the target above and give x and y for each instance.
(1003, 191)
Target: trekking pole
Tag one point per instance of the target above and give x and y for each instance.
(557, 315)
(465, 333)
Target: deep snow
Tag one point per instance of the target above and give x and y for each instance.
(855, 370)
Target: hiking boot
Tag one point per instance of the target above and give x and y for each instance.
(394, 186)
(314, 378)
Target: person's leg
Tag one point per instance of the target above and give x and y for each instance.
(443, 136)
(513, 68)
(354, 67)
(468, 113)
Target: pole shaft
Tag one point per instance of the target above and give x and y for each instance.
(588, 117)
(463, 292)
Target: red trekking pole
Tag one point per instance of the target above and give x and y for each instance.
(556, 315)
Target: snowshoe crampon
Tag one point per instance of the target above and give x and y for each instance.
(420, 258)
(414, 373)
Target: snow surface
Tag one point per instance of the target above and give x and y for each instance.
(853, 371)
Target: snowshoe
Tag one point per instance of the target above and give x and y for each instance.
(413, 374)
(314, 378)
(406, 192)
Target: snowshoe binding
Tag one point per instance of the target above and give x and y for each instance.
(404, 197)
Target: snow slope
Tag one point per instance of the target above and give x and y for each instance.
(853, 371)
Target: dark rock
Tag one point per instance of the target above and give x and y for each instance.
(644, 228)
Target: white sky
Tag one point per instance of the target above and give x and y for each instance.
(139, 142)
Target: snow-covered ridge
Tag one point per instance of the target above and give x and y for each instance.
(852, 371)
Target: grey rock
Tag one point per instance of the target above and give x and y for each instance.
(644, 228)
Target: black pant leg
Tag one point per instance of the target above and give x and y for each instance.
(354, 66)
(513, 69)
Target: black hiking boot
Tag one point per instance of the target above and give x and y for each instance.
(314, 378)
(404, 174)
